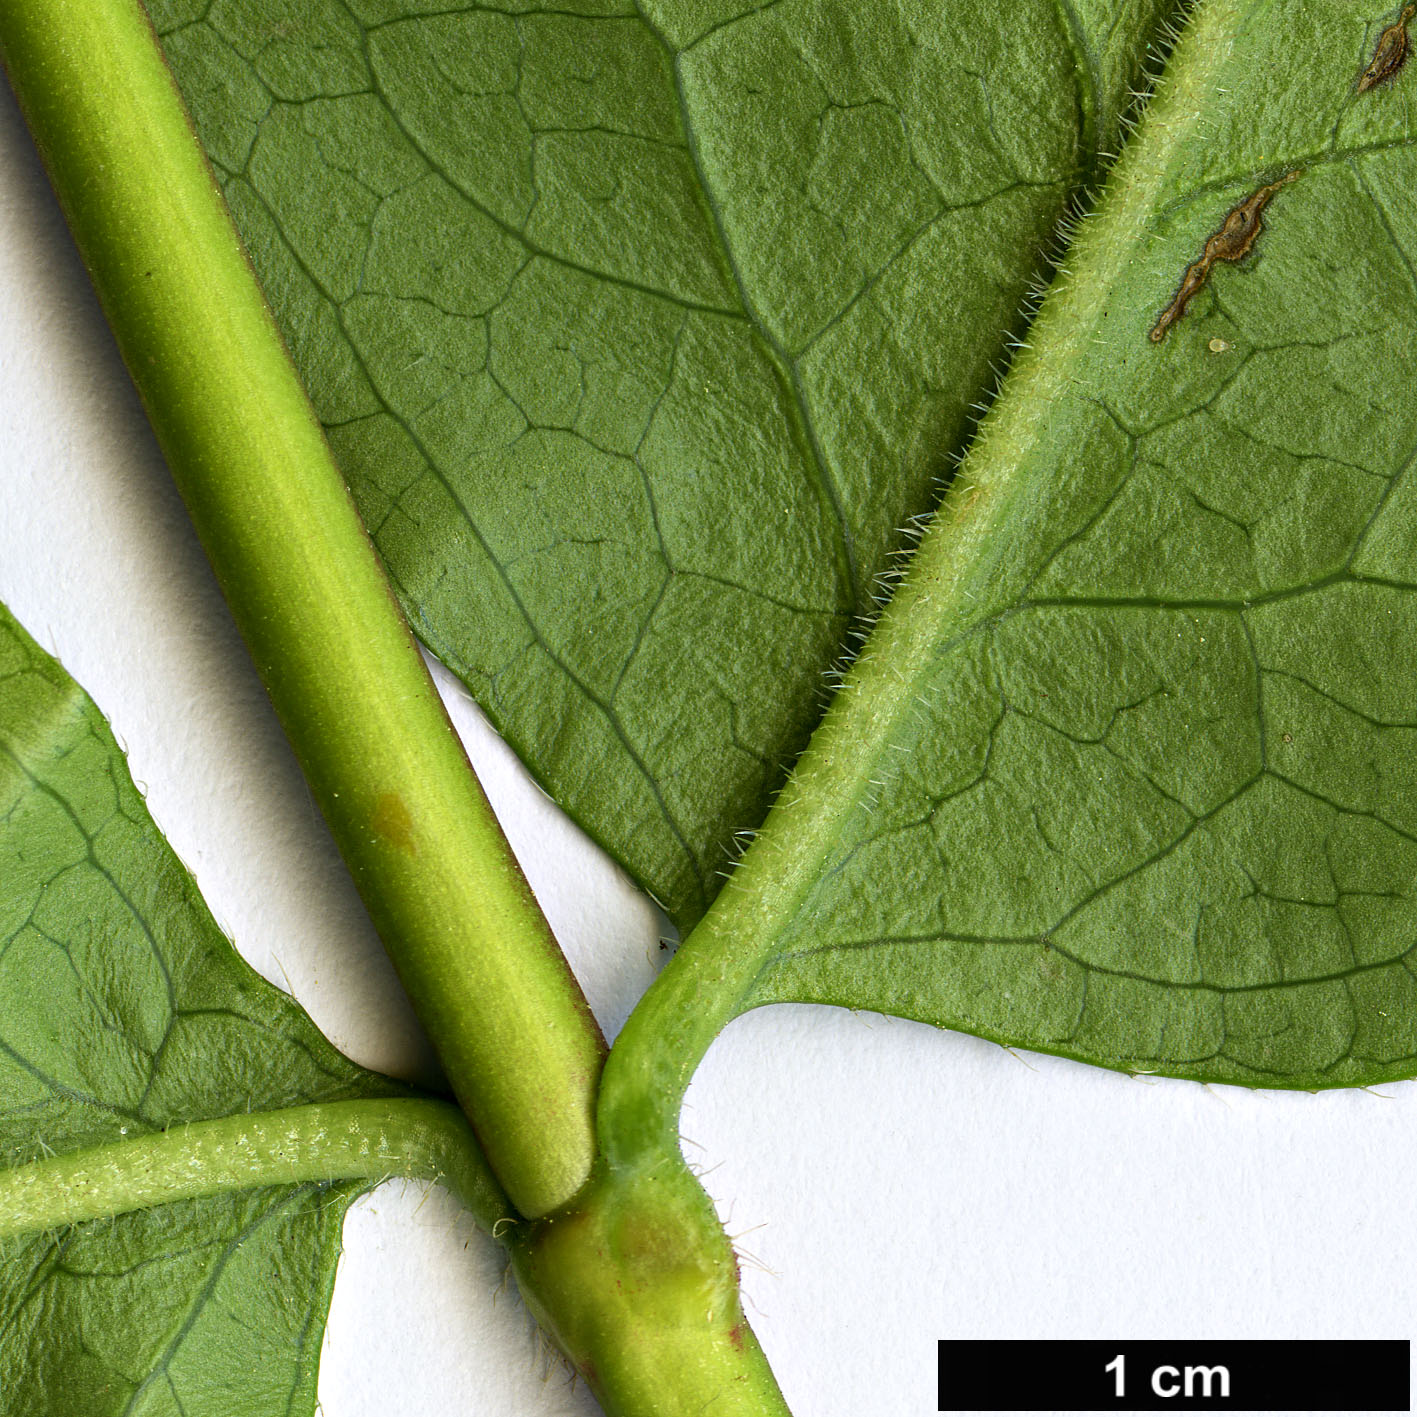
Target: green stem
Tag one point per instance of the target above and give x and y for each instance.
(486, 977)
(326, 1141)
(638, 1285)
(627, 1267)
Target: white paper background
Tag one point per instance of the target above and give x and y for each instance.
(890, 1184)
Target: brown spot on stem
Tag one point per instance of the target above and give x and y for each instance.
(1233, 242)
(392, 821)
(1389, 53)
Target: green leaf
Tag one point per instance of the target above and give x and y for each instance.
(1127, 770)
(123, 1012)
(200, 1306)
(640, 331)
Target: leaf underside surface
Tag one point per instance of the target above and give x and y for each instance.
(1149, 797)
(123, 1011)
(640, 331)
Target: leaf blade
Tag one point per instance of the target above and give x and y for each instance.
(190, 1342)
(555, 281)
(1069, 799)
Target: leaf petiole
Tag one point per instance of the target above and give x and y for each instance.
(324, 1141)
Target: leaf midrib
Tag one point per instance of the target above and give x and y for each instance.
(944, 594)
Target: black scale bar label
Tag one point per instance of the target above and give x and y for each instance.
(1262, 1375)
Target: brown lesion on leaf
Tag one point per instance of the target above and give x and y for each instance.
(1389, 53)
(1233, 242)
